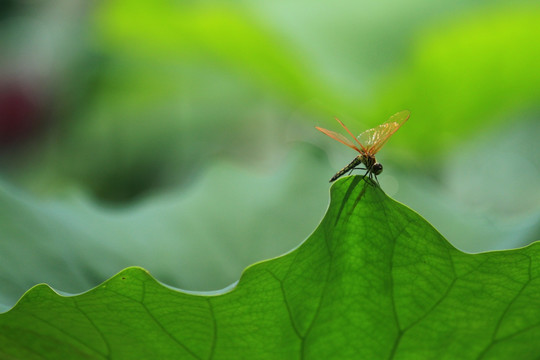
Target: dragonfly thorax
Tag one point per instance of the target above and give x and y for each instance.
(372, 165)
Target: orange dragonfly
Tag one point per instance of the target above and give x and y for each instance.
(368, 144)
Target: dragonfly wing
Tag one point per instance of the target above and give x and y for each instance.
(374, 139)
(350, 133)
(336, 136)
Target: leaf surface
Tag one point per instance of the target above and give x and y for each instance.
(374, 281)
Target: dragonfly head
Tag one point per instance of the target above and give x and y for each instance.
(376, 169)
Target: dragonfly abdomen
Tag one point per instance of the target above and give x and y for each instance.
(357, 161)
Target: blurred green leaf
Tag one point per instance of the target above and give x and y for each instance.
(163, 87)
(465, 75)
(197, 238)
(375, 280)
(225, 36)
(484, 196)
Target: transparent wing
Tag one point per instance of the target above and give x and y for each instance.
(374, 139)
(342, 139)
(350, 133)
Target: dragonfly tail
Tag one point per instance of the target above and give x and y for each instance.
(357, 160)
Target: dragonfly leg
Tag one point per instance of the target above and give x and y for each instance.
(356, 168)
(371, 175)
(367, 173)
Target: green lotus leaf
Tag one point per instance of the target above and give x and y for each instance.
(373, 281)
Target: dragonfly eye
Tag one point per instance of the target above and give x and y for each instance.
(376, 168)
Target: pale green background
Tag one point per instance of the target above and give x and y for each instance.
(179, 136)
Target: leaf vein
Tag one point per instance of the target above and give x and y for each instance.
(108, 354)
(158, 323)
(505, 312)
(214, 333)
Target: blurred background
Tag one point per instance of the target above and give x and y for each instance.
(179, 135)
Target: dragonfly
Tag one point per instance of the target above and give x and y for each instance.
(367, 144)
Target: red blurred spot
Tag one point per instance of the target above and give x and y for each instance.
(21, 111)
